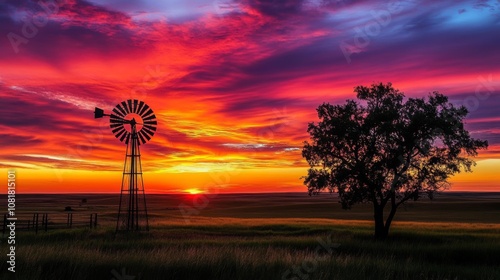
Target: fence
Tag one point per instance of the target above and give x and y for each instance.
(45, 221)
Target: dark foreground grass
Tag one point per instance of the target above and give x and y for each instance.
(262, 249)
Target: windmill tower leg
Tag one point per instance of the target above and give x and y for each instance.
(132, 213)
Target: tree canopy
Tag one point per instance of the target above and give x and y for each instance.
(387, 149)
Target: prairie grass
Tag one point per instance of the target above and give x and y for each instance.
(263, 249)
(264, 237)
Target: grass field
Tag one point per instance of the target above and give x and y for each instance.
(274, 236)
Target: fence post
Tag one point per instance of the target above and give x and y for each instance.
(46, 221)
(69, 220)
(36, 225)
(90, 221)
(29, 222)
(95, 220)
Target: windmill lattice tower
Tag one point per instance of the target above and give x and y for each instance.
(134, 123)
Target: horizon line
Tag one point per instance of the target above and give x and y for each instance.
(224, 193)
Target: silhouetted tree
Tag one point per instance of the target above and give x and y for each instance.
(387, 149)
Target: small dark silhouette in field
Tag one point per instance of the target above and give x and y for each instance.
(386, 149)
(68, 208)
(84, 201)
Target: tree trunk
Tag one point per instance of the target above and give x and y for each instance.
(380, 231)
(381, 228)
(389, 219)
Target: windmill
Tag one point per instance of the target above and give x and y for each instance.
(134, 123)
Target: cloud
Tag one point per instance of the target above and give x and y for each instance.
(233, 87)
(18, 141)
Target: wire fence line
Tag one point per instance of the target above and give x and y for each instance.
(50, 221)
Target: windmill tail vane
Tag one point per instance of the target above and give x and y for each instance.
(134, 123)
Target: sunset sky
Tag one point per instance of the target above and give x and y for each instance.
(233, 84)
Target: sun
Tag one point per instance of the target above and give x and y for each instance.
(193, 191)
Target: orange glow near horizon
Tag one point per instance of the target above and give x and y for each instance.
(214, 182)
(194, 191)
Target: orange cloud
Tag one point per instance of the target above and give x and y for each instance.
(232, 90)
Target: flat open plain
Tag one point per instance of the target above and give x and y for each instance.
(262, 236)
